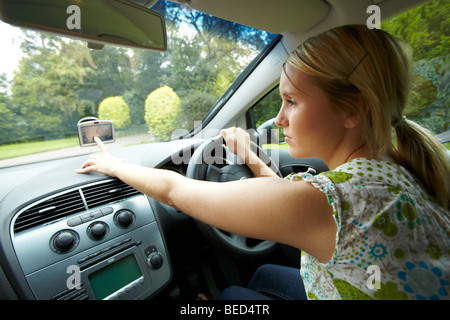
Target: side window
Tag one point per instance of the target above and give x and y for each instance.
(266, 109)
(425, 29)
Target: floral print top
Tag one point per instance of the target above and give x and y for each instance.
(392, 240)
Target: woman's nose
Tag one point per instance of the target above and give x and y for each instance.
(281, 119)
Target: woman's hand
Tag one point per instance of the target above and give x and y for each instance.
(238, 141)
(102, 163)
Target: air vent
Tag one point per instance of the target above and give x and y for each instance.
(51, 209)
(111, 191)
(71, 202)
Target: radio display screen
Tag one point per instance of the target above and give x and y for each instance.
(114, 277)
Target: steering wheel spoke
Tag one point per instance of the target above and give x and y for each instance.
(214, 173)
(238, 240)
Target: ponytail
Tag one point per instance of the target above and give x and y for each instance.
(422, 154)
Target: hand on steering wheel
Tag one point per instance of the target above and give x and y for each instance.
(238, 141)
(211, 161)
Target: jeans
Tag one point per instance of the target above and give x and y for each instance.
(270, 282)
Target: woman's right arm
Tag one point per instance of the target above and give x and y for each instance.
(238, 141)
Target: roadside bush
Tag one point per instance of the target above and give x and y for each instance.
(162, 109)
(115, 109)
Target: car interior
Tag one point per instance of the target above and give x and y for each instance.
(69, 236)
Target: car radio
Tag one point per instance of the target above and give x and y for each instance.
(112, 251)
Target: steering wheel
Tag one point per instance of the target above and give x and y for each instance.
(213, 161)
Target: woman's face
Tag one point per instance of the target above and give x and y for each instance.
(311, 126)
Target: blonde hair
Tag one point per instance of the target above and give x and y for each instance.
(353, 62)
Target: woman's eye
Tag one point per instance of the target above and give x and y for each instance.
(290, 102)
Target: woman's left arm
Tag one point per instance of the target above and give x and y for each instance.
(238, 141)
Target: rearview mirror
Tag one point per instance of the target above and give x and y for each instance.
(100, 22)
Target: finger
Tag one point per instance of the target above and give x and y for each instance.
(225, 135)
(87, 164)
(85, 169)
(101, 145)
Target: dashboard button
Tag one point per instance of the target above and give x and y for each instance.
(155, 260)
(124, 218)
(97, 230)
(64, 241)
(74, 222)
(106, 211)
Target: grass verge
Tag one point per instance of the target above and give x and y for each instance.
(27, 148)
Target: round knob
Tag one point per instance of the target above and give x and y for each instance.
(97, 230)
(124, 218)
(155, 260)
(64, 241)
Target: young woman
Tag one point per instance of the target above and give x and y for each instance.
(382, 211)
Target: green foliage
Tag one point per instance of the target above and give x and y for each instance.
(268, 107)
(136, 104)
(431, 99)
(195, 105)
(44, 94)
(60, 81)
(162, 109)
(426, 29)
(115, 109)
(28, 148)
(8, 123)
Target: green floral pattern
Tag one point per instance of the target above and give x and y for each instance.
(384, 219)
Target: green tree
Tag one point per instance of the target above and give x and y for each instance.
(426, 29)
(8, 119)
(202, 64)
(162, 109)
(60, 81)
(113, 74)
(115, 109)
(43, 91)
(195, 105)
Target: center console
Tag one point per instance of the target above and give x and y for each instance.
(108, 249)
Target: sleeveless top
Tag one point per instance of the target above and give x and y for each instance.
(392, 240)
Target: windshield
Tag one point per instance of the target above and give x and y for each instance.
(48, 83)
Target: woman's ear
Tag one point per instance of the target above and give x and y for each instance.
(354, 117)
